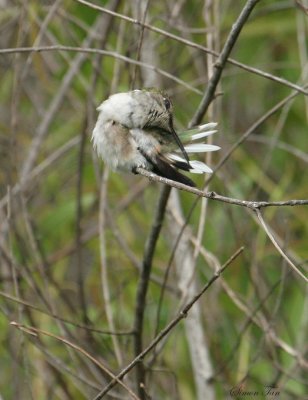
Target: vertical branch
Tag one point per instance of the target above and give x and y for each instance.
(221, 61)
(79, 212)
(104, 275)
(143, 285)
(145, 6)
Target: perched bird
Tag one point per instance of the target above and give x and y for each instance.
(135, 129)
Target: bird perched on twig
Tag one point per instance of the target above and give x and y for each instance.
(135, 130)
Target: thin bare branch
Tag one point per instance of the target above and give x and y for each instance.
(222, 59)
(274, 241)
(214, 196)
(164, 332)
(143, 285)
(104, 263)
(50, 314)
(89, 50)
(36, 332)
(179, 39)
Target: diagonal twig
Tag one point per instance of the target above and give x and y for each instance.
(164, 332)
(36, 332)
(274, 241)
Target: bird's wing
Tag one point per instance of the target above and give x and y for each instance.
(163, 167)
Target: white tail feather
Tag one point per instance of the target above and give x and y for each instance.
(202, 134)
(209, 126)
(175, 157)
(200, 148)
(198, 167)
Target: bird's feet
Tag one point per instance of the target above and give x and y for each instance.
(134, 170)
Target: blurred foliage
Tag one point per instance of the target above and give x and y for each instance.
(50, 243)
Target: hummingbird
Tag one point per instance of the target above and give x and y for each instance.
(135, 129)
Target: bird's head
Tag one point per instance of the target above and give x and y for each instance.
(157, 111)
(153, 107)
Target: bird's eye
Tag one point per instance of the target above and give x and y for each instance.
(167, 103)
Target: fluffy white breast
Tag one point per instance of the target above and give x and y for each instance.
(128, 109)
(119, 146)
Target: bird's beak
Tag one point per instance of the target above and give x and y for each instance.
(178, 141)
